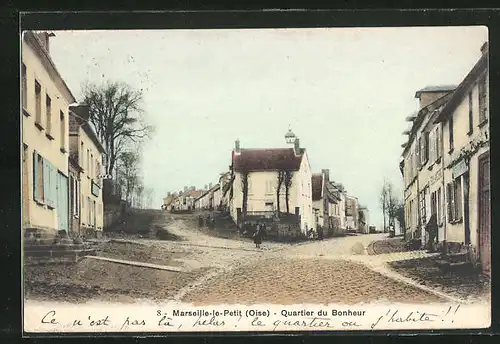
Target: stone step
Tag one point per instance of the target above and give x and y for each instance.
(53, 247)
(50, 253)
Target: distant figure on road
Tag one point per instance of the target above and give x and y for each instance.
(320, 233)
(257, 236)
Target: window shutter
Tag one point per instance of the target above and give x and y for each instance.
(426, 147)
(437, 143)
(432, 146)
(35, 176)
(448, 201)
(46, 180)
(418, 151)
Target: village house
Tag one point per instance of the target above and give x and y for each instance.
(45, 103)
(340, 208)
(167, 201)
(87, 152)
(466, 164)
(446, 161)
(206, 200)
(185, 200)
(225, 184)
(325, 203)
(364, 220)
(422, 166)
(351, 213)
(268, 183)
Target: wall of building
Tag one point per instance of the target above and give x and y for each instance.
(90, 159)
(427, 98)
(262, 190)
(318, 207)
(462, 138)
(38, 214)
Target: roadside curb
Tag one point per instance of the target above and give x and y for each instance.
(383, 269)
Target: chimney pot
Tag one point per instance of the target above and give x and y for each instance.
(296, 146)
(237, 146)
(326, 173)
(484, 48)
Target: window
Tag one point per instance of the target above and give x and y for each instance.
(94, 214)
(37, 177)
(450, 132)
(24, 86)
(72, 195)
(454, 196)
(82, 157)
(77, 197)
(471, 128)
(62, 130)
(432, 146)
(433, 203)
(438, 205)
(269, 186)
(437, 142)
(482, 100)
(89, 219)
(48, 110)
(92, 171)
(423, 215)
(38, 104)
(424, 154)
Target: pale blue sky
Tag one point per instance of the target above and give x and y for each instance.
(345, 93)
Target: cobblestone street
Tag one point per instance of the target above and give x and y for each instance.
(218, 270)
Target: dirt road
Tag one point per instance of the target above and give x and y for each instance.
(218, 270)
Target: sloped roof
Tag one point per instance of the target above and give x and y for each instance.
(168, 200)
(438, 88)
(317, 186)
(476, 71)
(267, 159)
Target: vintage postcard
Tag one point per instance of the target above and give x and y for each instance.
(255, 180)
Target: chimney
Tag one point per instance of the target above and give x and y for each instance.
(485, 49)
(237, 146)
(296, 146)
(206, 187)
(185, 188)
(326, 173)
(193, 188)
(44, 38)
(168, 193)
(210, 185)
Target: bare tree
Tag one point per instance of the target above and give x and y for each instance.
(129, 173)
(400, 216)
(288, 184)
(390, 203)
(116, 114)
(244, 188)
(383, 202)
(148, 197)
(279, 183)
(139, 193)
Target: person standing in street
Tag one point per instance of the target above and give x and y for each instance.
(257, 236)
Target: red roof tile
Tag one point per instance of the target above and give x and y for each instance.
(317, 186)
(267, 160)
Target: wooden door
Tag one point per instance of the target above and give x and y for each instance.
(62, 201)
(484, 213)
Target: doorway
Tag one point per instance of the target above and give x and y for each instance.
(484, 213)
